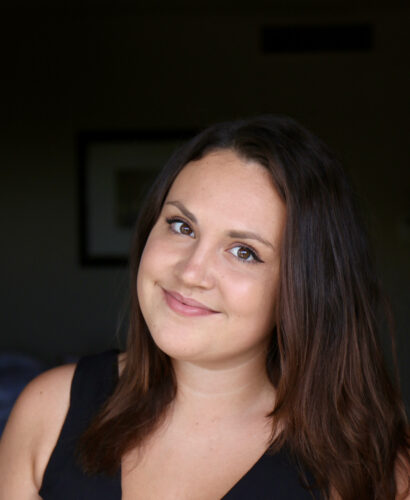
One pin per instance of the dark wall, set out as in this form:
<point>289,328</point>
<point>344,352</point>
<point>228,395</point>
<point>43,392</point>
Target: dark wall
<point>68,70</point>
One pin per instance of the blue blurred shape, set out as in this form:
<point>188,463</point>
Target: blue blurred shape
<point>16,371</point>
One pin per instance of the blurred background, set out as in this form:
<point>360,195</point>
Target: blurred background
<point>105,67</point>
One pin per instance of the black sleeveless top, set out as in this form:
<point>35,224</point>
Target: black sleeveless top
<point>273,477</point>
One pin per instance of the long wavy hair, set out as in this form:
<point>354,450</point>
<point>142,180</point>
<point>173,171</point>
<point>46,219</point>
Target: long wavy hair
<point>341,413</point>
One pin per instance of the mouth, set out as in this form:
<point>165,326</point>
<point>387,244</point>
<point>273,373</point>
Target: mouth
<point>186,306</point>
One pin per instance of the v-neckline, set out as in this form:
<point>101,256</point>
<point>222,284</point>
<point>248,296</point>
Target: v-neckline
<point>280,458</point>
<point>243,478</point>
<point>235,486</point>
<point>232,490</point>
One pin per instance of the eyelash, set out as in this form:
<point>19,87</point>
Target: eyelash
<point>173,220</point>
<point>255,257</point>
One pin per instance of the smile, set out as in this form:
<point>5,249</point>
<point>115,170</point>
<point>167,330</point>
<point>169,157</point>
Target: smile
<point>185,306</point>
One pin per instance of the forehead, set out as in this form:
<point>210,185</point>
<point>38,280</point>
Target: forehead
<point>223,181</point>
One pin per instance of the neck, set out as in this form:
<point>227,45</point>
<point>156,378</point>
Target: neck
<point>220,392</point>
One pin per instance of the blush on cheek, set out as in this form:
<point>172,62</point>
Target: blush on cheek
<point>244,292</point>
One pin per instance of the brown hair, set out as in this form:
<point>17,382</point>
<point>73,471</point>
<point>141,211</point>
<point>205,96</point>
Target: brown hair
<point>342,416</point>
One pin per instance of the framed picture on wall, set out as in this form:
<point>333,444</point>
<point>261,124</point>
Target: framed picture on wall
<point>115,171</point>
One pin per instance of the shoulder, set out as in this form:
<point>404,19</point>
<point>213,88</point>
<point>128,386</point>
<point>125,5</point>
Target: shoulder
<point>403,478</point>
<point>32,431</point>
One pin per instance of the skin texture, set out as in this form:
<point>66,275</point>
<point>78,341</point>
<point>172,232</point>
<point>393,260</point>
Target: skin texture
<point>32,432</point>
<point>207,260</point>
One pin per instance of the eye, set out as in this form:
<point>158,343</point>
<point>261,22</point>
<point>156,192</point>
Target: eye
<point>245,254</point>
<point>180,227</point>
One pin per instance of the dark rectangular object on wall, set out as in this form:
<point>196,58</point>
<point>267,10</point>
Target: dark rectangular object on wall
<point>115,171</point>
<point>319,38</point>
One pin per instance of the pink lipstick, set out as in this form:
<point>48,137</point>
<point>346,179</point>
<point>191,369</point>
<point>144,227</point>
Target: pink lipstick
<point>185,306</point>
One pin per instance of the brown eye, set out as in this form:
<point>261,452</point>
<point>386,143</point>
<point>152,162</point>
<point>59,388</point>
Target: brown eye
<point>244,253</point>
<point>180,227</point>
<point>185,229</point>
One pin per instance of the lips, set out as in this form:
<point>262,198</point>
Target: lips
<point>185,306</point>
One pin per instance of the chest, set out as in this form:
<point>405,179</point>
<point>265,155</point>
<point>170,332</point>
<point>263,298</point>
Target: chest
<point>201,466</point>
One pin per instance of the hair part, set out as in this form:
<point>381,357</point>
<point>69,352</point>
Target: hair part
<point>342,416</point>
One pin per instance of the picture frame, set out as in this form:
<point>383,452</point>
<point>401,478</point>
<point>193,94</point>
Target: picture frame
<point>115,170</point>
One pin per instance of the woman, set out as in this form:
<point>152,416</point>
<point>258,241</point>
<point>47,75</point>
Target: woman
<point>253,368</point>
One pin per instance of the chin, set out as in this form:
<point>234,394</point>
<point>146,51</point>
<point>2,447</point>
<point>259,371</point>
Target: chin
<point>177,346</point>
<point>179,353</point>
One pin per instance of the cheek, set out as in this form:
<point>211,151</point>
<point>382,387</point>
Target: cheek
<point>251,296</point>
<point>151,256</point>
<point>145,269</point>
<point>156,261</point>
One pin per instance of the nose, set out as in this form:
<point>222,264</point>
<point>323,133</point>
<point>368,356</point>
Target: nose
<point>195,269</point>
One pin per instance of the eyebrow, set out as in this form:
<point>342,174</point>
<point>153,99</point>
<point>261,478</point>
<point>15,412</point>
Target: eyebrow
<point>183,209</point>
<point>247,235</point>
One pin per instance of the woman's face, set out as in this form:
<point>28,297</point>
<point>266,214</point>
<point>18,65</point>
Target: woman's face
<point>208,275</point>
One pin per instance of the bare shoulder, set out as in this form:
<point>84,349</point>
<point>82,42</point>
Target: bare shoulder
<point>403,478</point>
<point>32,432</point>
